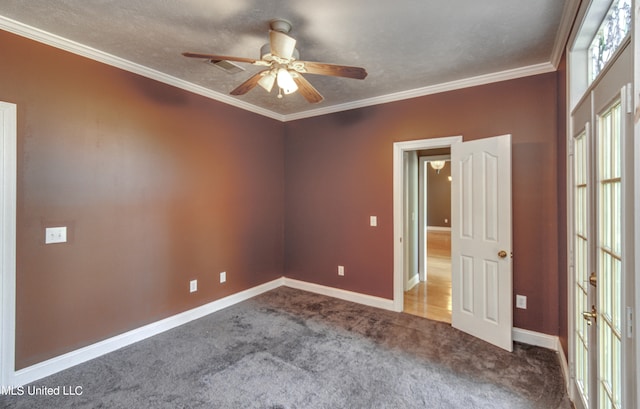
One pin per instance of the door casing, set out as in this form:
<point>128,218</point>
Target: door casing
<point>399,149</point>
<point>8,175</point>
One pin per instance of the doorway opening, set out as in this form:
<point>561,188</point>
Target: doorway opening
<point>428,293</point>
<point>481,233</point>
<point>407,243</point>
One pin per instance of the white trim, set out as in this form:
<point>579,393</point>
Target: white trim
<point>62,43</point>
<point>500,76</point>
<point>68,360</point>
<point>413,281</point>
<point>564,30</point>
<point>636,201</point>
<point>549,342</point>
<point>535,338</point>
<point>564,366</point>
<point>351,296</point>
<point>438,228</point>
<point>62,362</point>
<point>8,169</point>
<point>398,210</point>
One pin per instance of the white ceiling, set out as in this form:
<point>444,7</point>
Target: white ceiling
<point>408,47</point>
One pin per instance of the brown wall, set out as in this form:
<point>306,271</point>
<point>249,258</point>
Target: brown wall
<point>339,172</point>
<point>439,196</point>
<point>157,186</point>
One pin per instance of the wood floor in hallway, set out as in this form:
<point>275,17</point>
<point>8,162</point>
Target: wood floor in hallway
<point>432,299</point>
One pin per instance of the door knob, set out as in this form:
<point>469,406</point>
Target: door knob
<point>593,279</point>
<point>502,254</point>
<point>590,315</point>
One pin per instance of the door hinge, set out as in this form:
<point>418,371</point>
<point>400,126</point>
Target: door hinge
<point>628,94</point>
<point>629,322</point>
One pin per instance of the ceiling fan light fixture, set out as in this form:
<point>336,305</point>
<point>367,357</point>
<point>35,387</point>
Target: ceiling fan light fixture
<point>267,81</point>
<point>279,59</point>
<point>286,82</point>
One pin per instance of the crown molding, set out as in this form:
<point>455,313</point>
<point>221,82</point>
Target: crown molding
<point>569,14</point>
<point>62,43</point>
<point>71,46</point>
<point>429,90</point>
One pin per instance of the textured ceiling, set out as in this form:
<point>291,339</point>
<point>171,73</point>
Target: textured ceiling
<point>404,44</point>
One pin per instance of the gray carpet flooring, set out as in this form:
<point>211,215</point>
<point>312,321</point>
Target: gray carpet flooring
<point>292,349</point>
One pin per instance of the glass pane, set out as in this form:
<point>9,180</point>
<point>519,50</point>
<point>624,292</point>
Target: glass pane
<point>609,237</point>
<point>581,254</point>
<point>612,31</point>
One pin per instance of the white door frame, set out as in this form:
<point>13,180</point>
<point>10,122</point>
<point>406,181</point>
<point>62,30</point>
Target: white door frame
<point>399,148</point>
<point>636,163</point>
<point>8,175</point>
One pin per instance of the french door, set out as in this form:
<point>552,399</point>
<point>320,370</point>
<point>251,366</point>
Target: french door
<point>602,279</point>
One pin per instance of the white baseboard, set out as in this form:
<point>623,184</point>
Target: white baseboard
<point>413,281</point>
<point>364,299</point>
<point>564,366</point>
<point>546,341</point>
<point>535,338</point>
<point>438,228</point>
<point>62,362</point>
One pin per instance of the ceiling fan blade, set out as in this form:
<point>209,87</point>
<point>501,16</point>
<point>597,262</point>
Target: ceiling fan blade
<point>219,57</point>
<point>320,68</point>
<point>281,44</point>
<point>307,90</point>
<point>249,84</point>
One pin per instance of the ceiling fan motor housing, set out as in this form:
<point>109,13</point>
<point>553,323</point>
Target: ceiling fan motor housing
<point>280,24</point>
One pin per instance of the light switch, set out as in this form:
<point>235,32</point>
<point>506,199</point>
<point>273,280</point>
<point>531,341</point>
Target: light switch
<point>373,221</point>
<point>55,235</point>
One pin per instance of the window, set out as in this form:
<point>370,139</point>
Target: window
<point>613,30</point>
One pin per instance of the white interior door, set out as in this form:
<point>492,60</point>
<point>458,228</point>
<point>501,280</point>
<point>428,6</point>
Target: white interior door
<point>481,239</point>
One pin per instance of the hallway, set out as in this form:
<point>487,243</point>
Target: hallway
<point>432,299</point>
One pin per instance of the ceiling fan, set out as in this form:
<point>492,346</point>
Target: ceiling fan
<point>282,67</point>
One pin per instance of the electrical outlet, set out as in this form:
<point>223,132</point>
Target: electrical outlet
<point>521,301</point>
<point>223,276</point>
<point>340,270</point>
<point>193,286</point>
<point>55,235</point>
<point>373,221</point>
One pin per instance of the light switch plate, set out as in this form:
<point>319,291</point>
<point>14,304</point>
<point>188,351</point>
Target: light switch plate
<point>55,235</point>
<point>521,302</point>
<point>193,286</point>
<point>373,221</point>
<point>223,276</point>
